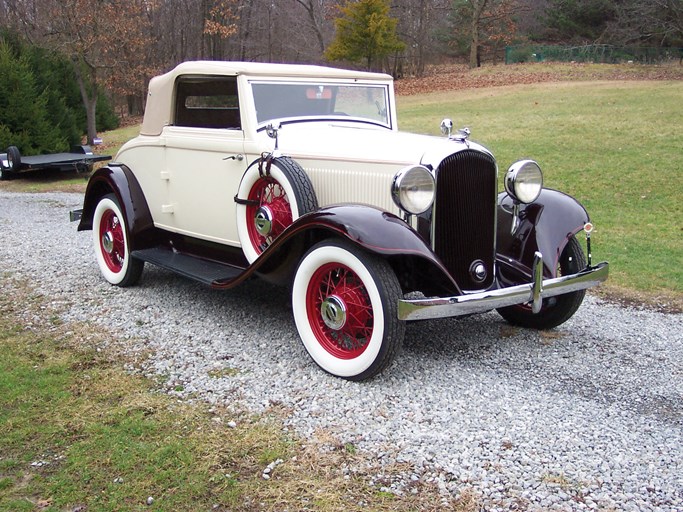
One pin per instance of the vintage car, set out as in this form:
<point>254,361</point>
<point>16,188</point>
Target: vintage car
<point>299,175</point>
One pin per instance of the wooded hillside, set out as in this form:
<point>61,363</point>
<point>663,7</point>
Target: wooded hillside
<point>117,45</point>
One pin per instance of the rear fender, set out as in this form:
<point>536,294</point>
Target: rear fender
<point>119,180</point>
<point>545,225</point>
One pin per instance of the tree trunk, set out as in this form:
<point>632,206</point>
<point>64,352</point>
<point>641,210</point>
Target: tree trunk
<point>310,9</point>
<point>474,49</point>
<point>245,27</point>
<point>89,96</point>
<point>478,7</point>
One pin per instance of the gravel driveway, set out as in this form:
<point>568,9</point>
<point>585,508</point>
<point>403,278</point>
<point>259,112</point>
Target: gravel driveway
<point>586,417</point>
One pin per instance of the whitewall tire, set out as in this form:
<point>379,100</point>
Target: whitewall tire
<point>271,197</point>
<point>111,241</point>
<point>345,305</point>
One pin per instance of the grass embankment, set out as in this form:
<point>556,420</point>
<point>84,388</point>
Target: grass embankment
<point>615,146</point>
<point>79,433</point>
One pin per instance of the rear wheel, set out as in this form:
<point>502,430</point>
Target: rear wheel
<point>112,244</point>
<point>554,310</point>
<point>345,305</point>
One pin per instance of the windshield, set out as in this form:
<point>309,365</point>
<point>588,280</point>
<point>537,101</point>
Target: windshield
<point>285,100</point>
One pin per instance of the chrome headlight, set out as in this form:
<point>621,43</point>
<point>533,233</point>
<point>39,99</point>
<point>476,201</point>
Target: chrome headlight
<point>413,189</point>
<point>524,181</point>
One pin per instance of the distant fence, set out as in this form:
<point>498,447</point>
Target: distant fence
<point>600,53</point>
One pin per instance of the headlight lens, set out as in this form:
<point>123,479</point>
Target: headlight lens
<point>524,181</point>
<point>413,189</point>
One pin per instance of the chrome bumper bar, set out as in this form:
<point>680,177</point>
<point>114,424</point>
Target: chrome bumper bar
<point>529,293</point>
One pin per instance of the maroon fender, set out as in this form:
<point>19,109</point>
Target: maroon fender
<point>545,225</point>
<point>374,230</point>
<point>119,180</point>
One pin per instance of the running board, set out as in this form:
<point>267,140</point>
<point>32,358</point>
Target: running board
<point>205,271</point>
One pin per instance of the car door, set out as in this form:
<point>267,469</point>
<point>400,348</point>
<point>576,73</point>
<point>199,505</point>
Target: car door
<point>204,159</point>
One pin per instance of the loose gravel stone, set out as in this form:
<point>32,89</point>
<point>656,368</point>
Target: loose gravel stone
<point>588,416</point>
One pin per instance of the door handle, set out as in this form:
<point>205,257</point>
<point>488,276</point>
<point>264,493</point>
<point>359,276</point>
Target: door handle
<point>239,157</point>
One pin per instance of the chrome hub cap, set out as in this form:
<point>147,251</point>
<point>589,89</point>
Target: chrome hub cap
<point>333,311</point>
<point>108,242</point>
<point>263,220</point>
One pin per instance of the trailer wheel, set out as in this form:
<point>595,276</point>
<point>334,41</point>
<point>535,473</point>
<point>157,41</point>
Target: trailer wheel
<point>13,159</point>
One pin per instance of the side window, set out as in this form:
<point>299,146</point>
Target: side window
<point>207,102</point>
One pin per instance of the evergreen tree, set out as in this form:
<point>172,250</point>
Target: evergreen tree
<point>365,31</point>
<point>50,78</point>
<point>24,121</point>
<point>579,21</point>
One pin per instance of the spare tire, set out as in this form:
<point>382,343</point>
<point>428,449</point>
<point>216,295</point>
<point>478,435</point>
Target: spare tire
<point>271,196</point>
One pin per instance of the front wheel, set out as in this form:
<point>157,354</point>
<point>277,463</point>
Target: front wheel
<point>345,304</point>
<point>554,310</point>
<point>112,244</point>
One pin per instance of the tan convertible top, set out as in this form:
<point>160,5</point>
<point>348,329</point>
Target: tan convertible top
<point>159,109</point>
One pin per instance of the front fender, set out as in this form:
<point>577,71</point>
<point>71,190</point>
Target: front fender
<point>545,225</point>
<point>374,230</point>
<point>119,180</point>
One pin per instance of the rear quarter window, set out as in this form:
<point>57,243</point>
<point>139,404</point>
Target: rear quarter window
<point>207,102</point>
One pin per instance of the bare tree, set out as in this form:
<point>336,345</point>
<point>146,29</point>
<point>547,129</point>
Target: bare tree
<point>419,26</point>
<point>316,12</point>
<point>654,22</point>
<point>479,23</point>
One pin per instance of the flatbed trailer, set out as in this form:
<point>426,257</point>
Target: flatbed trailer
<point>80,159</point>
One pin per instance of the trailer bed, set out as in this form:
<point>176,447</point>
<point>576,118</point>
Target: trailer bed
<point>81,159</point>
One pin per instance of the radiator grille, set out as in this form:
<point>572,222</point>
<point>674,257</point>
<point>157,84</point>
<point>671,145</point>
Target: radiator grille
<point>464,216</point>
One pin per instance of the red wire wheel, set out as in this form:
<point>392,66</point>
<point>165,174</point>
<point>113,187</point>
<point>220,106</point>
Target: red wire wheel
<point>345,306</point>
<point>111,241</point>
<point>339,311</point>
<point>270,210</point>
<point>273,193</point>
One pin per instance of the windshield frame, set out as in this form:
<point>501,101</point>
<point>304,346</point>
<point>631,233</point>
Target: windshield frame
<point>328,84</point>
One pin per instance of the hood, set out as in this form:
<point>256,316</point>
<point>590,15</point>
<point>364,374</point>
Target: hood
<point>364,143</point>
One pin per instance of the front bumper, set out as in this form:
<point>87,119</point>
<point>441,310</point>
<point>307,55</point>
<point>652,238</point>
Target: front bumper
<point>529,293</point>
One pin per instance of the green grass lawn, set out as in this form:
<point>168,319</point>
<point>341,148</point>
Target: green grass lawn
<point>615,146</point>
